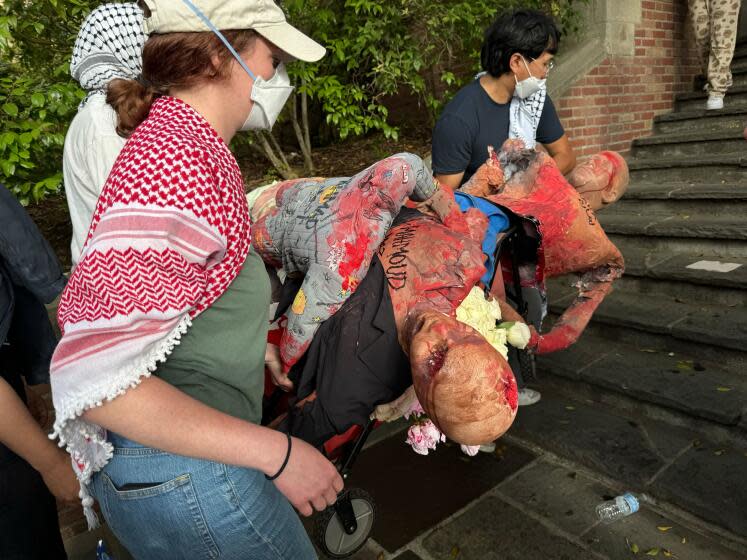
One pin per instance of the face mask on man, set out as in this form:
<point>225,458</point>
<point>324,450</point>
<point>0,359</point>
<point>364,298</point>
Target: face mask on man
<point>269,96</point>
<point>530,85</point>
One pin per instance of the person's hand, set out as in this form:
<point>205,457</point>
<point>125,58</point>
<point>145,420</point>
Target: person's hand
<point>275,366</point>
<point>61,480</point>
<point>37,407</point>
<point>388,412</point>
<point>309,481</point>
<point>534,339</point>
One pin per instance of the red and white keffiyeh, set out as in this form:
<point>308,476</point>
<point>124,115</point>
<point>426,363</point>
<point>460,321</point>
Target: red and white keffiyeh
<point>170,233</point>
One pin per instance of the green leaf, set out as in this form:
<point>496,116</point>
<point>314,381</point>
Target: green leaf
<point>37,99</point>
<point>652,552</point>
<point>8,168</point>
<point>11,109</point>
<point>723,389</point>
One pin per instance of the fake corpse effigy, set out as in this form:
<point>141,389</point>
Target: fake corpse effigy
<point>569,238</point>
<point>399,328</point>
<point>324,232</point>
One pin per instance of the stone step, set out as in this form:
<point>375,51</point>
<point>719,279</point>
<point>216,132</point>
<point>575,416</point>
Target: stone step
<point>684,384</point>
<point>693,143</point>
<point>720,327</point>
<point>739,73</point>
<point>695,101</point>
<point>675,465</point>
<point>686,207</point>
<point>691,277</point>
<point>739,65</point>
<point>727,227</point>
<point>708,248</point>
<point>680,191</point>
<point>703,169</point>
<point>683,122</point>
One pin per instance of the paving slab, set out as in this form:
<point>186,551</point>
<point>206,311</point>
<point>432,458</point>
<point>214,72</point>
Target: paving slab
<point>368,552</point>
<point>407,555</point>
<point>563,496</point>
<point>629,450</point>
<point>711,483</point>
<point>697,388</point>
<point>414,492</point>
<point>642,531</point>
<point>494,530</point>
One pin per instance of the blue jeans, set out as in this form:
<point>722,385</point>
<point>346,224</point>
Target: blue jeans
<point>163,506</point>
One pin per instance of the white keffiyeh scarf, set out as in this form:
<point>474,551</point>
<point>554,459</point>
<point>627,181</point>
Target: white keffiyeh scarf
<point>109,45</point>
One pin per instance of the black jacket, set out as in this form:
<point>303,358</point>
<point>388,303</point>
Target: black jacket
<point>354,363</point>
<point>30,276</point>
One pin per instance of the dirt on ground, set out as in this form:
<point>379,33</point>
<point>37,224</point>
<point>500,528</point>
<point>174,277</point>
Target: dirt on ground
<point>338,160</point>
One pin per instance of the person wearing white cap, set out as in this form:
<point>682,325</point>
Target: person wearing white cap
<point>157,381</point>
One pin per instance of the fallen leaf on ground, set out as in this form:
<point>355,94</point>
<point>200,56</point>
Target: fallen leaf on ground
<point>723,389</point>
<point>649,350</point>
<point>684,540</point>
<point>652,552</point>
<point>570,407</point>
<point>685,365</point>
<point>455,552</point>
<point>718,452</point>
<point>668,553</point>
<point>663,529</point>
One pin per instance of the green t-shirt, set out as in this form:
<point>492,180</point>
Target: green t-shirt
<point>220,361</point>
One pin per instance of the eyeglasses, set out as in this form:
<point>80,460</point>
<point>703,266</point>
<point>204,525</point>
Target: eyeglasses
<point>548,66</point>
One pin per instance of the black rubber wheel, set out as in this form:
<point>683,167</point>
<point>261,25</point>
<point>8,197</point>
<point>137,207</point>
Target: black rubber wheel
<point>329,534</point>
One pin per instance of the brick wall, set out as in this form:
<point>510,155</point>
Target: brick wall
<point>616,101</point>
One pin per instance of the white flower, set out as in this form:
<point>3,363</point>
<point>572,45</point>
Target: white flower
<point>482,315</point>
<point>518,335</point>
<point>470,450</point>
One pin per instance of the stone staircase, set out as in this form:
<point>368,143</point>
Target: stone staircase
<point>666,352</point>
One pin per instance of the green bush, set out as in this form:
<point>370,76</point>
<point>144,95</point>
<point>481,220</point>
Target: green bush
<point>377,48</point>
<point>38,98</point>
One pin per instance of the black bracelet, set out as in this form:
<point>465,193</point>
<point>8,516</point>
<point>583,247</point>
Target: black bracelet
<point>285,462</point>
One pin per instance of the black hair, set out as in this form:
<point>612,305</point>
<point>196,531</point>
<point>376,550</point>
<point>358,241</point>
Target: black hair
<point>527,32</point>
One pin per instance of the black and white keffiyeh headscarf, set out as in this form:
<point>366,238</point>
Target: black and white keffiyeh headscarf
<point>109,45</point>
<point>524,116</point>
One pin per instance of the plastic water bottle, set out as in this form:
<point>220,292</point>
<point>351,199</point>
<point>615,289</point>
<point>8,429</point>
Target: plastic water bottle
<point>620,507</point>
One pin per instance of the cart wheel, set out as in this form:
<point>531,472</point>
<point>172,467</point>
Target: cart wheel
<point>331,537</point>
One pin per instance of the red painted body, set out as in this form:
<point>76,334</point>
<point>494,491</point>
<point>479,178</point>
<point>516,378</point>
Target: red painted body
<point>571,238</point>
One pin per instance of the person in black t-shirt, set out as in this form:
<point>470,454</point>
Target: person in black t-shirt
<point>508,100</point>
<point>516,57</point>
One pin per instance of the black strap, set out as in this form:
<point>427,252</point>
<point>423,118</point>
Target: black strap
<point>285,462</point>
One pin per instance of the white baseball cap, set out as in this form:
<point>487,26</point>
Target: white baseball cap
<point>264,16</point>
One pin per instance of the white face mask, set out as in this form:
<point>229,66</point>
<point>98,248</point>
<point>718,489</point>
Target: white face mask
<point>529,86</point>
<point>269,96</point>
